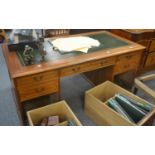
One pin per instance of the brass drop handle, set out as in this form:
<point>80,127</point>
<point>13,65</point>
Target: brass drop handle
<point>126,66</point>
<point>129,56</point>
<point>76,69</point>
<point>38,78</point>
<point>39,90</point>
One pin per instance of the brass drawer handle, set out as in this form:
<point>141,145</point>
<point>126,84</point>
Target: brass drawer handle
<point>125,57</point>
<point>103,62</point>
<point>39,90</point>
<point>76,69</point>
<point>129,56</point>
<point>126,66</point>
<point>38,78</point>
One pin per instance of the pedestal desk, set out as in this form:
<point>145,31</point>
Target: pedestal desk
<point>115,56</point>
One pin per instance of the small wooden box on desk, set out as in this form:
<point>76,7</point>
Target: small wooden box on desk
<point>97,109</point>
<point>60,108</point>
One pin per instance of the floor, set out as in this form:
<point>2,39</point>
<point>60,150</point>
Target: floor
<point>72,90</point>
<point>8,114</point>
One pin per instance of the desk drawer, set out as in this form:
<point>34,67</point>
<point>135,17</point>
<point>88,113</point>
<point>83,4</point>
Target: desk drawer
<point>150,61</point>
<point>36,79</point>
<point>127,62</point>
<point>152,46</point>
<point>37,90</point>
<point>85,67</point>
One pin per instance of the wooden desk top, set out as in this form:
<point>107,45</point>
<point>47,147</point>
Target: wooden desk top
<point>138,31</point>
<point>56,61</point>
<point>135,35</point>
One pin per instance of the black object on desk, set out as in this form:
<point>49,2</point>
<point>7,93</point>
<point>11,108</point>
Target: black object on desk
<point>20,46</point>
<point>22,37</point>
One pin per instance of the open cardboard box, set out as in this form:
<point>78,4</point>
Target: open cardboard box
<point>97,109</point>
<point>60,108</point>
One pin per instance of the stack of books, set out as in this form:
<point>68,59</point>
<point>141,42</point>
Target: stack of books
<point>128,108</point>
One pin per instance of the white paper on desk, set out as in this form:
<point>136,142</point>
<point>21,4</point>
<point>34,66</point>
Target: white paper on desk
<point>75,44</point>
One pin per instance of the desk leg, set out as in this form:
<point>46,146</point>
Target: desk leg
<point>21,114</point>
<point>19,107</point>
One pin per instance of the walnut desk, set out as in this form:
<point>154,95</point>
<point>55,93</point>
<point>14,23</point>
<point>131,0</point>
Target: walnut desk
<point>116,53</point>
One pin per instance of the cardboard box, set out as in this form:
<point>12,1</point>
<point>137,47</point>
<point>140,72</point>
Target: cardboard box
<point>97,109</point>
<point>60,108</point>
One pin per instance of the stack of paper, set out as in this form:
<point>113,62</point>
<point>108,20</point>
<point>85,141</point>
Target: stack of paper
<point>75,44</point>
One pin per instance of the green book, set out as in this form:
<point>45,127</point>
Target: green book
<point>115,106</point>
<point>144,107</point>
<point>134,112</point>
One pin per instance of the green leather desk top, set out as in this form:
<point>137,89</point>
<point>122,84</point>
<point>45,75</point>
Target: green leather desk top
<point>106,42</point>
